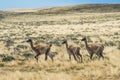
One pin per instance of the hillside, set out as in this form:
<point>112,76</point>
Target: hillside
<point>88,8</point>
<point>84,8</point>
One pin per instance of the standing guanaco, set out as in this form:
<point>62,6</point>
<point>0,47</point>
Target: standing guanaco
<point>41,49</point>
<point>94,48</point>
<point>72,50</point>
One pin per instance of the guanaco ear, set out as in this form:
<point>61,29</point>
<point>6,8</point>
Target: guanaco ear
<point>29,40</point>
<point>64,41</point>
<point>50,44</point>
<point>84,38</point>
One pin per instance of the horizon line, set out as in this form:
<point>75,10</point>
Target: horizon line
<point>54,6</point>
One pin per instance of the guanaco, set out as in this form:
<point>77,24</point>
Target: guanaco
<point>94,48</point>
<point>72,50</point>
<point>41,49</point>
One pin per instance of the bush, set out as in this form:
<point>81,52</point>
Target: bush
<point>57,42</point>
<point>22,46</point>
<point>8,58</point>
<point>2,55</point>
<point>110,43</point>
<point>27,55</point>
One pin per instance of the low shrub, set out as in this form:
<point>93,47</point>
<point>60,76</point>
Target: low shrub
<point>110,43</point>
<point>8,58</point>
<point>27,55</point>
<point>2,55</point>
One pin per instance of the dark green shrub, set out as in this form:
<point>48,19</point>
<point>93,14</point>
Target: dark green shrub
<point>27,55</point>
<point>8,58</point>
<point>57,42</point>
<point>2,55</point>
<point>22,46</point>
<point>110,43</point>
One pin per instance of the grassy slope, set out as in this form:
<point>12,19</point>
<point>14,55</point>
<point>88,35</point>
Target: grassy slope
<point>52,25</point>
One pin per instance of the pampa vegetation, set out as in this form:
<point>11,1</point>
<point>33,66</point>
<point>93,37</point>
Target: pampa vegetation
<point>99,23</point>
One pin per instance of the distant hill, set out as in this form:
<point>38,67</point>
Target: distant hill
<point>87,8</point>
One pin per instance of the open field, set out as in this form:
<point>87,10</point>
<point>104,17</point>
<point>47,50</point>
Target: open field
<point>99,27</point>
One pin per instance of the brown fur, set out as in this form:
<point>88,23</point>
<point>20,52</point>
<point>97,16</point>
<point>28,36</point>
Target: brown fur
<point>94,48</point>
<point>41,49</point>
<point>73,50</point>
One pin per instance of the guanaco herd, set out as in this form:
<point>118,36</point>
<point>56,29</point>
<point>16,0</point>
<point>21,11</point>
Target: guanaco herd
<point>71,50</point>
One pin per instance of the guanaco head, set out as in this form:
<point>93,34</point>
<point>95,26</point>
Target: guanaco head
<point>29,40</point>
<point>64,41</point>
<point>50,44</point>
<point>83,39</point>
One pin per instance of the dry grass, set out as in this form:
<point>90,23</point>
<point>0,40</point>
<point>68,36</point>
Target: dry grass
<point>104,27</point>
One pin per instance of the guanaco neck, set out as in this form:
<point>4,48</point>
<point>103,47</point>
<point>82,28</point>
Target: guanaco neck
<point>31,44</point>
<point>87,47</point>
<point>86,44</point>
<point>66,45</point>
